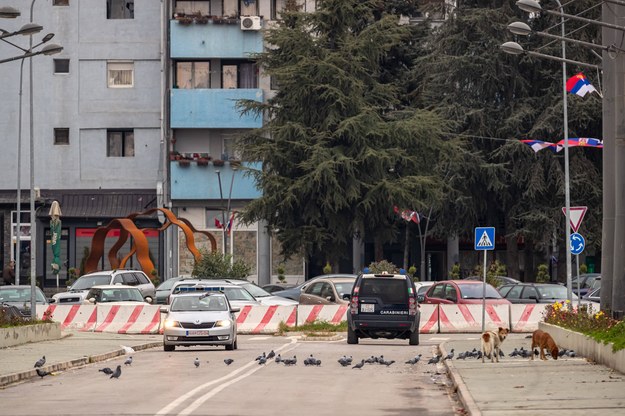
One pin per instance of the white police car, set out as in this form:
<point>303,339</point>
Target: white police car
<point>200,318</point>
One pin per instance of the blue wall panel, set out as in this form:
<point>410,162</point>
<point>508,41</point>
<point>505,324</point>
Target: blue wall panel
<point>213,41</point>
<point>202,182</point>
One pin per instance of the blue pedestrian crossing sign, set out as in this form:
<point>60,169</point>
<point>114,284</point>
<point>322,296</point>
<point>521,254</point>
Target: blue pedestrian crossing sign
<point>484,238</point>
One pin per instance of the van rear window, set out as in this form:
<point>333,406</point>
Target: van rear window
<point>387,290</point>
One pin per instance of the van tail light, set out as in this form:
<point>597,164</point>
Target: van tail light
<point>354,305</point>
<point>412,306</point>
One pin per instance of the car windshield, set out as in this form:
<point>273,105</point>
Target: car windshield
<point>256,291</point>
<point>116,295</point>
<point>553,292</point>
<point>11,294</point>
<point>238,293</point>
<point>474,291</point>
<point>167,284</point>
<point>87,282</point>
<point>199,303</point>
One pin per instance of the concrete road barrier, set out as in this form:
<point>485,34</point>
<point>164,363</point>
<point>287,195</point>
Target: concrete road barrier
<point>468,318</point>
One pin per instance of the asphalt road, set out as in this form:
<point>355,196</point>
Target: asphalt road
<point>168,383</point>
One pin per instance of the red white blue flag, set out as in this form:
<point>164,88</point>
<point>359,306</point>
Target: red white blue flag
<point>538,145</point>
<point>408,215</point>
<point>578,84</point>
<point>582,142</point>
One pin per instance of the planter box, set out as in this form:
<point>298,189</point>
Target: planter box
<point>29,333</point>
<point>586,347</point>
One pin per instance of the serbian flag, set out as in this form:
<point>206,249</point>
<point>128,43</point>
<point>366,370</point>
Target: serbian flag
<point>578,84</point>
<point>218,223</point>
<point>538,145</point>
<point>230,221</point>
<point>408,215</point>
<point>582,142</point>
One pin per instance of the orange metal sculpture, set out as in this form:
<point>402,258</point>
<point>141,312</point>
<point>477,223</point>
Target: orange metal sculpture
<point>127,227</point>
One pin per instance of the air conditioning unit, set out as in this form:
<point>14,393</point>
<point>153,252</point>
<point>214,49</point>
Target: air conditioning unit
<point>250,22</point>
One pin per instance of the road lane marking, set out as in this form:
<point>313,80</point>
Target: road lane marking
<point>258,338</point>
<point>168,409</point>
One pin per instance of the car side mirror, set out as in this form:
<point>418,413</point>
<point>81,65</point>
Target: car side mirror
<point>235,310</point>
<point>51,300</point>
<point>330,298</point>
<point>164,309</point>
<point>346,296</point>
<point>420,298</point>
<point>91,300</point>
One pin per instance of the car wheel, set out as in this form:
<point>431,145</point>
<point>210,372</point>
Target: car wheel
<point>352,338</point>
<point>414,338</point>
<point>169,347</point>
<point>235,346</point>
<point>230,347</point>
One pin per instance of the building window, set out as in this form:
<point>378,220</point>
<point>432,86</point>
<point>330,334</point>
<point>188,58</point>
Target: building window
<point>120,74</point>
<point>61,136</point>
<point>214,219</point>
<point>191,7</point>
<point>276,7</point>
<point>60,2</point>
<point>120,143</point>
<point>228,150</point>
<point>239,75</point>
<point>61,66</point>
<point>120,9</point>
<point>248,8</point>
<point>190,75</point>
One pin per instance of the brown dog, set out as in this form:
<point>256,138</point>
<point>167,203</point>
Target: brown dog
<point>491,341</point>
<point>543,340</point>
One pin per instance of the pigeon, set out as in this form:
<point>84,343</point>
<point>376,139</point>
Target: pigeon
<point>570,353</point>
<point>349,359</point>
<point>309,361</point>
<point>479,355</point>
<point>514,353</point>
<point>450,355</point>
<point>371,360</point>
<point>40,362</point>
<point>412,361</point>
<point>562,352</point>
<point>196,362</point>
<point>388,363</point>
<point>290,361</point>
<point>344,361</point>
<point>271,355</point>
<point>262,360</point>
<point>228,361</point>
<point>278,358</point>
<point>434,360</point>
<point>501,354</point>
<point>316,362</point>
<point>260,356</point>
<point>359,365</point>
<point>42,373</point>
<point>462,355</point>
<point>128,361</point>
<point>127,350</point>
<point>117,373</point>
<point>106,370</point>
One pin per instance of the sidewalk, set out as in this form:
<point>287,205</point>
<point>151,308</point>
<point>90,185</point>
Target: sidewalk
<point>518,386</point>
<point>74,349</point>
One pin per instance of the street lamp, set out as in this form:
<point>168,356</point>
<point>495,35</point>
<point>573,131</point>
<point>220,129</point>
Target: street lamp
<point>224,225</point>
<point>8,12</point>
<point>532,6</point>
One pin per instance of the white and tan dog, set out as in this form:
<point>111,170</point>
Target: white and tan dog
<point>491,342</point>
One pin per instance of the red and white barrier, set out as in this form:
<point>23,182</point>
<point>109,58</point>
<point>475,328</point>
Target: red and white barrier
<point>264,319</point>
<point>333,314</point>
<point>79,317</point>
<point>468,318</point>
<point>428,324</point>
<point>525,318</point>
<point>127,319</point>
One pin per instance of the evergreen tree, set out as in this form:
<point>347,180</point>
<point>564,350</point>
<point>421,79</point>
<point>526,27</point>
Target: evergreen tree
<point>339,147</point>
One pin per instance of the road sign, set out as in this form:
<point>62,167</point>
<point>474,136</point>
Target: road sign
<point>484,238</point>
<point>577,243</point>
<point>577,215</point>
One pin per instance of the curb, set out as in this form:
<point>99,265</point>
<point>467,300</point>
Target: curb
<point>461,388</point>
<point>13,378</point>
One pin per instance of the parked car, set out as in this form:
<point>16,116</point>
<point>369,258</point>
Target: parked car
<point>383,306</point>
<point>164,289</point>
<point>327,291</point>
<point>276,287</point>
<point>200,318</point>
<point>585,283</point>
<point>535,293</point>
<point>261,295</point>
<point>503,280</point>
<point>19,297</point>
<point>237,295</point>
<point>594,296</point>
<point>295,292</point>
<point>462,292</point>
<point>422,287</point>
<point>118,294</point>
<point>76,292</point>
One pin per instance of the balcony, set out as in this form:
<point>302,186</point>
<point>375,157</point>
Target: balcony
<point>213,41</point>
<point>195,182</point>
<point>212,108</point>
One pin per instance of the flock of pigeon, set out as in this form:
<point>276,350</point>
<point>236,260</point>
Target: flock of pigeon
<point>118,370</point>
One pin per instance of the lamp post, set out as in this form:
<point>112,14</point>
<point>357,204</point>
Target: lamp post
<point>530,6</point>
<point>224,225</point>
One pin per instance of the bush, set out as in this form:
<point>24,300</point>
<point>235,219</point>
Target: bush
<point>596,325</point>
<point>455,271</point>
<point>327,269</point>
<point>542,274</point>
<point>219,266</point>
<point>383,266</point>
